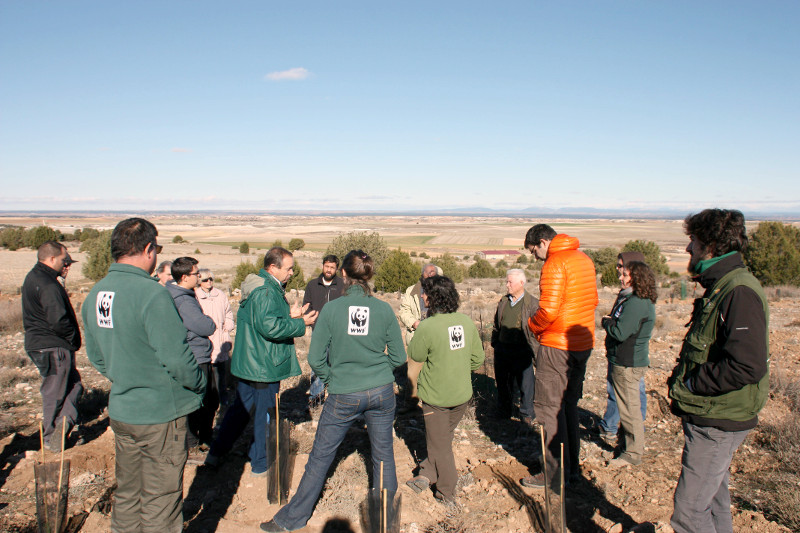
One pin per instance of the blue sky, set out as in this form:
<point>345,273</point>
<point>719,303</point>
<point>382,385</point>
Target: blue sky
<point>405,105</point>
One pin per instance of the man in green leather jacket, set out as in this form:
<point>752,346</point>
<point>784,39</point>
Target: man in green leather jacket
<point>263,355</point>
<point>721,381</point>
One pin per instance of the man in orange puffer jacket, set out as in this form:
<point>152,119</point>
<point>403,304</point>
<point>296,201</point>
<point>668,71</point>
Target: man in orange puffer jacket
<point>564,325</point>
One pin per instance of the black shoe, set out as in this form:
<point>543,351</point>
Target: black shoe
<point>271,527</point>
<point>538,482</point>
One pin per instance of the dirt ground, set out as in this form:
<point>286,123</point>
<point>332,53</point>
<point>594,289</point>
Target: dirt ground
<point>491,454</point>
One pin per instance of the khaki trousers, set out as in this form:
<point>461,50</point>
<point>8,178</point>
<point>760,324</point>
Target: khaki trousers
<point>625,381</point>
<point>149,467</point>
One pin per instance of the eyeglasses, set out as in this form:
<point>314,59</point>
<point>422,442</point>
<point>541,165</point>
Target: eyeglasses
<point>195,273</point>
<point>158,247</point>
<point>207,279</point>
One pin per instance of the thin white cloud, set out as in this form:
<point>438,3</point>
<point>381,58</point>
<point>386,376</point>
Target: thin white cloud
<point>181,150</point>
<point>293,74</point>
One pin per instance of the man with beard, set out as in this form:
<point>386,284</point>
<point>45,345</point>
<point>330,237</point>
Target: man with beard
<point>721,381</point>
<point>319,291</point>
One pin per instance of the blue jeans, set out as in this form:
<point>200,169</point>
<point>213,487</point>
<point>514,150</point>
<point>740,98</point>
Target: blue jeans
<point>377,406</point>
<point>702,500</point>
<point>610,421</point>
<point>255,398</point>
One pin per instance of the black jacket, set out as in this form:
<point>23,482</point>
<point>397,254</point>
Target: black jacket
<point>318,294</point>
<point>47,314</point>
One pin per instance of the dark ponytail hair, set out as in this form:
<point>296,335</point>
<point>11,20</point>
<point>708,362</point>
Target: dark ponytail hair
<point>359,269</point>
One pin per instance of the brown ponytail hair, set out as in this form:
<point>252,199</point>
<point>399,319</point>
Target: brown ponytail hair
<point>359,268</point>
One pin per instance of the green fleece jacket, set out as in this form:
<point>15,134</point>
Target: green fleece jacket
<point>135,338</point>
<point>365,343</point>
<point>628,331</point>
<point>450,348</point>
<point>264,349</point>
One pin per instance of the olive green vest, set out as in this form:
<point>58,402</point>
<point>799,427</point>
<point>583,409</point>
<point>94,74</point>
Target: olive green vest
<point>700,346</point>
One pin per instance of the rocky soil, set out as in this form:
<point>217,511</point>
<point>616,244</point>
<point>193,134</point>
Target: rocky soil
<point>491,455</point>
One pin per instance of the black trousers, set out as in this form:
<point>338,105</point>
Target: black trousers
<point>201,422</point>
<point>61,388</point>
<point>513,367</point>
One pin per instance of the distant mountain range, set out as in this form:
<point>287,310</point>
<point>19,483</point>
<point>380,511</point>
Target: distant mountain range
<point>530,212</point>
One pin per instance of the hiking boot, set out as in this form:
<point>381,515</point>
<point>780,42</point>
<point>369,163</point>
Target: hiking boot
<point>419,484</point>
<point>623,460</point>
<point>538,482</point>
<point>271,527</point>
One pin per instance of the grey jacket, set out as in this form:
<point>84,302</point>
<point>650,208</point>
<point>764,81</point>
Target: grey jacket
<point>198,325</point>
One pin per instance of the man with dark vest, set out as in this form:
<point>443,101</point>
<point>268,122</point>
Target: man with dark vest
<point>514,347</point>
<point>721,381</point>
<point>52,337</point>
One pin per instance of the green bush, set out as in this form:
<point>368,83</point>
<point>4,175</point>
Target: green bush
<point>86,234</point>
<point>501,264</point>
<point>197,251</point>
<point>451,268</point>
<point>774,254</point>
<point>424,255</point>
<point>12,238</point>
<point>522,259</point>
<point>608,276</point>
<point>39,235</point>
<point>603,257</point>
<point>413,254</point>
<point>244,248</point>
<point>297,281</point>
<point>371,243</point>
<point>277,243</point>
<point>652,255</point>
<point>396,273</point>
<point>99,256</point>
<point>296,244</point>
<point>242,270</point>
<point>482,269</point>
<point>177,239</point>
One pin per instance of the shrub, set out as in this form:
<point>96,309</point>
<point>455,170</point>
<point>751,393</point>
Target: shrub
<point>277,243</point>
<point>602,258</point>
<point>296,244</point>
<point>522,259</point>
<point>424,255</point>
<point>12,238</point>
<point>87,233</point>
<point>244,248</point>
<point>652,255</point>
<point>413,254</point>
<point>297,281</point>
<point>608,276</point>
<point>197,251</point>
<point>177,239</point>
<point>242,270</point>
<point>396,273</point>
<point>372,243</point>
<point>482,269</point>
<point>465,258</point>
<point>99,250</point>
<point>774,254</point>
<point>451,268</point>
<point>39,235</point>
<point>501,264</point>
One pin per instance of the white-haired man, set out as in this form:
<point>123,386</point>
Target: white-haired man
<point>514,347</point>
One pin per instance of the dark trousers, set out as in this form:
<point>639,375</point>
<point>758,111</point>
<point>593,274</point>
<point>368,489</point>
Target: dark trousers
<point>559,386</point>
<point>149,462</point>
<point>61,388</point>
<point>201,422</point>
<point>440,465</point>
<point>513,366</point>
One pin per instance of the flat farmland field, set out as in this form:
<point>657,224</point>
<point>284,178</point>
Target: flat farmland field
<point>217,238</point>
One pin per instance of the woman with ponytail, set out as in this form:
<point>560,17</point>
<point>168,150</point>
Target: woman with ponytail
<point>365,346</point>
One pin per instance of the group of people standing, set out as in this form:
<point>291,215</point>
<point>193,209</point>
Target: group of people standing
<point>166,354</point>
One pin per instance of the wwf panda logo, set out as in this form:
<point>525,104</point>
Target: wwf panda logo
<point>358,322</point>
<point>104,308</point>
<point>456,337</point>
